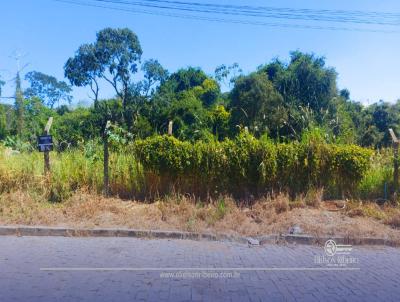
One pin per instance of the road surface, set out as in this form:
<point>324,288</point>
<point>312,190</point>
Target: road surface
<point>128,269</point>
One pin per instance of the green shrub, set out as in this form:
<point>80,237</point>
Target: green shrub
<point>247,166</point>
<point>349,165</point>
<point>244,167</point>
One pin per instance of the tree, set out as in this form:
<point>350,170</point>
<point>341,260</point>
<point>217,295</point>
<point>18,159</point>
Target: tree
<point>85,69</point>
<point>305,84</point>
<point>222,72</point>
<point>154,74</point>
<point>185,79</point>
<point>188,115</point>
<point>345,94</point>
<point>74,127</point>
<point>36,115</point>
<point>209,92</point>
<point>119,52</point>
<point>114,57</point>
<point>385,116</point>
<point>219,117</point>
<point>47,88</point>
<point>305,81</point>
<point>256,103</point>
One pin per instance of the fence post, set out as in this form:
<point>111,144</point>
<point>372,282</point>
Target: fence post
<point>395,163</point>
<point>46,154</point>
<point>170,124</point>
<point>106,179</point>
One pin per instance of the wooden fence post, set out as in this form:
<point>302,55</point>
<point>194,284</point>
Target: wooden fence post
<point>46,154</point>
<point>170,124</point>
<point>395,163</point>
<point>106,178</point>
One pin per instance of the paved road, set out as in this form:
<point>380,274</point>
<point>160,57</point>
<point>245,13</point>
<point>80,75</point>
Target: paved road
<point>126,269</point>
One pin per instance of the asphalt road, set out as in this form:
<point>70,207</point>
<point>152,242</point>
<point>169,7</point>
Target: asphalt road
<point>127,269</point>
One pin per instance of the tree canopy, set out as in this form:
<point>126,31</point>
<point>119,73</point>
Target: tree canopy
<point>47,88</point>
<point>281,100</point>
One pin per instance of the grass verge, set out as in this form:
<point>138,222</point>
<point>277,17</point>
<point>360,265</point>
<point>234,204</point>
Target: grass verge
<point>267,216</point>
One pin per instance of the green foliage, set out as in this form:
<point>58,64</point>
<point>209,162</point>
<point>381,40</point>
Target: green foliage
<point>114,57</point>
<point>74,127</point>
<point>153,73</point>
<point>188,115</point>
<point>349,164</point>
<point>377,182</point>
<point>246,165</point>
<point>3,121</point>
<point>47,88</point>
<point>185,79</point>
<point>256,103</point>
<point>285,127</point>
<point>17,144</point>
<point>219,120</point>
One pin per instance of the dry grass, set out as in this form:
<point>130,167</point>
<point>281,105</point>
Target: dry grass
<point>394,219</point>
<point>281,203</point>
<point>266,216</point>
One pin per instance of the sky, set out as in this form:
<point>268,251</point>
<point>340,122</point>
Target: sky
<point>47,33</point>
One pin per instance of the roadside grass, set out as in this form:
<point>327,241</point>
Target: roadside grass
<point>82,167</point>
<point>394,219</point>
<point>70,171</point>
<point>72,196</point>
<point>223,216</point>
<point>379,177</point>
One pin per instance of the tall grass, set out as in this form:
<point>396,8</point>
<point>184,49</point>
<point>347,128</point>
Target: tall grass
<point>82,168</point>
<point>378,180</point>
<point>70,171</point>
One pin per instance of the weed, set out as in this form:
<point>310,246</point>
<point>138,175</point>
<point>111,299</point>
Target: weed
<point>281,203</point>
<point>314,197</point>
<point>394,219</point>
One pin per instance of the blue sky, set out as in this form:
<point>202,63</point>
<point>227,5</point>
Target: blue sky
<point>49,32</point>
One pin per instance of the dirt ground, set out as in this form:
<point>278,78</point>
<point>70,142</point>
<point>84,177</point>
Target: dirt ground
<point>267,216</point>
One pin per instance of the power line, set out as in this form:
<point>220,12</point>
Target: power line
<point>217,19</point>
<point>283,9</point>
<point>374,18</point>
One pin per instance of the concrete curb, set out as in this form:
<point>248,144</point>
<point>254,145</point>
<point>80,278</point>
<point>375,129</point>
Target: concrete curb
<point>311,240</point>
<point>112,232</point>
<point>150,234</point>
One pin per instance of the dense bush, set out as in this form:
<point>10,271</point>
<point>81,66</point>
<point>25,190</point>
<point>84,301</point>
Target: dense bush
<point>246,166</point>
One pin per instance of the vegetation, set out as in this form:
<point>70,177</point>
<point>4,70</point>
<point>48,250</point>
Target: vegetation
<point>285,127</point>
<point>246,168</point>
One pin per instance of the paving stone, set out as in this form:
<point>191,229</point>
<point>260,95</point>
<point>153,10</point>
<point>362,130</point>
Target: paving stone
<point>141,263</point>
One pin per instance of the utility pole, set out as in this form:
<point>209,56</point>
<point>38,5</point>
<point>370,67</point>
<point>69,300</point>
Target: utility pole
<point>19,96</point>
<point>19,105</point>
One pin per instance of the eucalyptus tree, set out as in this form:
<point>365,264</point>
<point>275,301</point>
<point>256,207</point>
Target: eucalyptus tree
<point>114,57</point>
<point>85,69</point>
<point>47,88</point>
<point>154,74</point>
